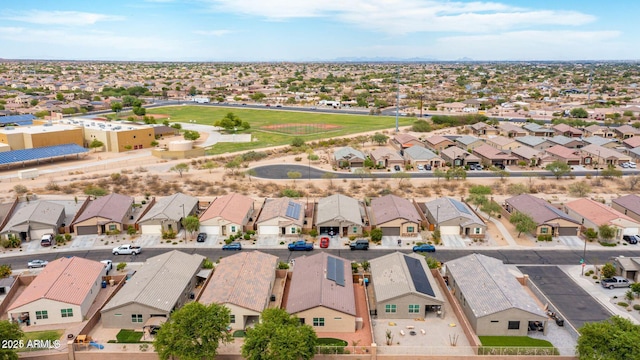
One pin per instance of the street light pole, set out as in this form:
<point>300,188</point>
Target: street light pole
<point>598,164</point>
<point>437,216</point>
<point>584,255</point>
<point>183,228</point>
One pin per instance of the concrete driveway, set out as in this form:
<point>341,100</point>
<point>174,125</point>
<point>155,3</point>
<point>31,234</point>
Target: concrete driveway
<point>572,241</point>
<point>453,241</point>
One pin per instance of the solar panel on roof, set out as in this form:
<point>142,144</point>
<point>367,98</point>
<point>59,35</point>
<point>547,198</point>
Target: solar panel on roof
<point>331,268</point>
<point>460,206</point>
<point>293,210</point>
<point>418,276</point>
<point>16,156</point>
<point>339,272</point>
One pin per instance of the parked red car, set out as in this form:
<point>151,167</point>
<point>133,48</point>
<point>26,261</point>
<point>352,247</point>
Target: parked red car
<point>324,242</point>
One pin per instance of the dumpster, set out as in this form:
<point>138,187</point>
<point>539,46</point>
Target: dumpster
<point>104,284</point>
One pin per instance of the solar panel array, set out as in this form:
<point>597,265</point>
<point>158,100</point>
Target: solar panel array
<point>335,270</point>
<point>460,206</point>
<point>293,210</point>
<point>418,276</point>
<point>17,119</point>
<point>16,156</point>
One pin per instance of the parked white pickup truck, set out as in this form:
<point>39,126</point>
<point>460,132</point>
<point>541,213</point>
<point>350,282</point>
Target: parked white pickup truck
<point>127,249</point>
<point>615,282</point>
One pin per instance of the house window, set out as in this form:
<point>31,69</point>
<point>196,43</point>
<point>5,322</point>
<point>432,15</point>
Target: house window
<point>514,325</point>
<point>318,321</point>
<point>389,308</point>
<point>477,231</point>
<point>410,229</point>
<point>355,229</point>
<point>544,230</point>
<point>40,315</point>
<point>112,227</point>
<point>414,309</point>
<point>233,319</point>
<point>293,230</point>
<point>136,318</point>
<point>66,313</point>
<point>233,228</point>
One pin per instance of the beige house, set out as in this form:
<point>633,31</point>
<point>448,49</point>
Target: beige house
<point>243,283</point>
<point>549,219</point>
<point>628,205</point>
<point>491,297</point>
<point>226,215</point>
<point>61,293</point>
<point>502,143</point>
<point>438,143</point>
<point>404,287</point>
<point>321,293</point>
<point>282,216</point>
<point>592,214</point>
<point>167,213</point>
<point>163,284</point>
<point>395,216</point>
<point>110,213</point>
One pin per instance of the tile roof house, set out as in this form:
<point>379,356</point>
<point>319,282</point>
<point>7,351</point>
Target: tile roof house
<point>551,220</point>
<point>458,157</point>
<point>438,143</point>
<point>567,130</point>
<point>592,214</point>
<point>112,212</point>
<point>565,155</point>
<point>483,129</point>
<point>532,156</point>
<point>385,157</point>
<point>490,156</point>
<point>568,142</point>
<point>404,287</point>
<point>491,297</point>
<point>422,156</point>
<point>538,130</point>
<point>227,215</point>
<point>628,267</point>
<point>340,214</point>
<point>598,130</point>
<point>167,213</point>
<point>243,283</point>
<point>628,205</point>
<point>163,284</point>
<point>626,131</point>
<point>30,221</point>
<point>395,216</point>
<point>282,216</point>
<point>604,142</point>
<point>502,143</point>
<point>403,141</point>
<point>634,153</point>
<point>321,293</point>
<point>536,142</point>
<point>632,142</point>
<point>62,293</point>
<point>510,130</point>
<point>602,155</point>
<point>469,142</point>
<point>349,156</point>
<point>453,217</point>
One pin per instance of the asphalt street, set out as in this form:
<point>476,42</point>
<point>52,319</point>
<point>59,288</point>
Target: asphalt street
<point>279,171</point>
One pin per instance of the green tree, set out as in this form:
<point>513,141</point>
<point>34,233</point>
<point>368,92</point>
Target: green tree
<point>229,122</point>
<point>210,165</point>
<point>379,138</point>
<point>9,331</point>
<point>96,144</point>
<point>421,126</point>
<point>116,107</point>
<point>376,234</point>
<point>180,168</point>
<point>491,208</point>
<point>478,200</point>
<point>480,190</point>
<point>606,232</point>
<point>194,332</point>
<point>234,164</point>
<point>368,163</point>
<point>193,91</point>
<point>439,174</point>
<point>5,270</point>
<point>608,270</point>
<point>60,96</point>
<point>258,96</point>
<point>297,142</point>
<point>279,336</point>
<point>611,339</point>
<point>191,223</point>
<point>139,110</point>
<point>610,172</point>
<point>558,169</point>
<point>33,102</point>
<point>523,222</point>
<point>191,135</point>
<point>250,173</point>
<point>400,175</point>
<point>579,113</point>
<point>579,189</point>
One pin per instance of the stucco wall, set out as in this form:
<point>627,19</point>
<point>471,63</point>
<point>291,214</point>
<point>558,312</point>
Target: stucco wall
<point>334,321</point>
<point>402,306</point>
<point>53,312</point>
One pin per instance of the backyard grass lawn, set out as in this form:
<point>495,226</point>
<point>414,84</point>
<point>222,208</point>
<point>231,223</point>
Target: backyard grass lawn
<point>522,341</point>
<point>331,342</point>
<point>50,335</point>
<point>129,336</point>
<point>259,119</point>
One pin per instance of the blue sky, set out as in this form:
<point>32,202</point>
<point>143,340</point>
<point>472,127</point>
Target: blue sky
<point>304,30</point>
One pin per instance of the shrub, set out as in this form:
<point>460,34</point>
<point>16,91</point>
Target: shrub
<point>67,237</point>
<point>121,266</point>
<point>247,236</point>
<point>283,265</point>
<point>292,193</point>
<point>376,235</point>
<point>545,238</point>
<point>623,304</point>
<point>313,232</point>
<point>636,307</point>
<point>207,264</point>
<point>168,235</point>
<point>229,240</point>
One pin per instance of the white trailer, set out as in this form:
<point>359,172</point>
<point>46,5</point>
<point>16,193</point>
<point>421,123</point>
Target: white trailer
<point>28,174</point>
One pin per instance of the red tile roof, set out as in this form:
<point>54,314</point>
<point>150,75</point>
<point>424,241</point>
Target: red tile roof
<point>596,212</point>
<point>232,207</point>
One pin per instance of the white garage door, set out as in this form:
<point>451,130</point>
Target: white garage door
<point>449,230</point>
<point>151,229</point>
<point>268,230</point>
<point>210,230</point>
<point>37,234</point>
<point>630,231</point>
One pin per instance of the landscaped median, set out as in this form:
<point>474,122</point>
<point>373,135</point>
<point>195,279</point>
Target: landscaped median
<point>515,345</point>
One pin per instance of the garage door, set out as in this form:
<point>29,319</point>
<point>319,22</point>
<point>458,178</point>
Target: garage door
<point>390,231</point>
<point>86,230</point>
<point>269,230</point>
<point>151,229</point>
<point>449,230</point>
<point>329,229</point>
<point>568,231</point>
<point>210,230</point>
<point>630,231</point>
<point>37,234</point>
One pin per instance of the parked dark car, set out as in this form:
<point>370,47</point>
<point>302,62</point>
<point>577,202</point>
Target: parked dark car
<point>424,248</point>
<point>201,237</point>
<point>232,246</point>
<point>427,167</point>
<point>631,239</point>
<point>360,244</point>
<point>396,167</point>
<point>300,245</point>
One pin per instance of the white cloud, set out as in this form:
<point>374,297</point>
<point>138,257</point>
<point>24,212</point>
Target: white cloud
<point>407,16</point>
<point>220,32</point>
<point>69,18</point>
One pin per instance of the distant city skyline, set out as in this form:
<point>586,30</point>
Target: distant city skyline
<point>320,30</point>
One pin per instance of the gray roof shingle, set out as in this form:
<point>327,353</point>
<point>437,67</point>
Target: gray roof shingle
<point>339,206</point>
<point>392,278</point>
